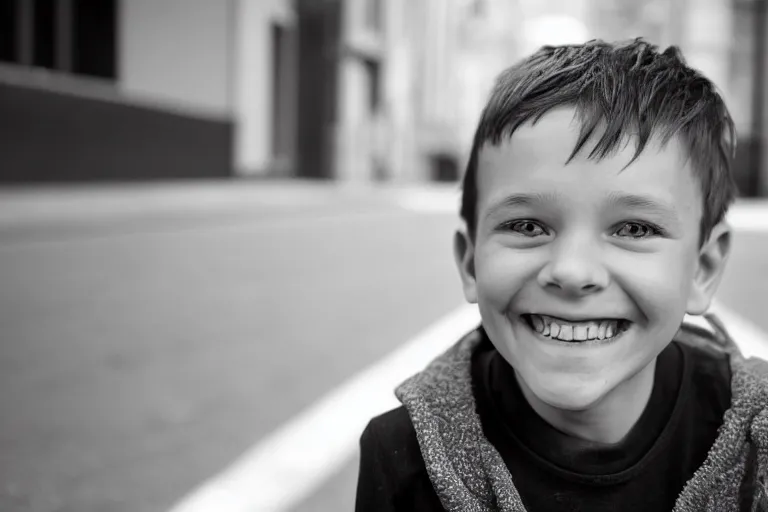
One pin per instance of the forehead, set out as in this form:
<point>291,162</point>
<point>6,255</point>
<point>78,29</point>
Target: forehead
<point>534,160</point>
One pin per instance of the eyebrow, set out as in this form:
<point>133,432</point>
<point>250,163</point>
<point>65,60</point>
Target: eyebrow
<point>629,201</point>
<point>646,203</point>
<point>523,200</point>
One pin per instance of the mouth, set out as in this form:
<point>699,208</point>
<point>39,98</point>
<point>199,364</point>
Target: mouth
<point>593,330</point>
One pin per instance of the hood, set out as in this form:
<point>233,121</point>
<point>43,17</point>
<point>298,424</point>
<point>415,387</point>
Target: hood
<point>469,475</point>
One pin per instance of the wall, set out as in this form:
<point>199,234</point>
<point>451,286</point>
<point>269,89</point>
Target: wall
<point>53,136</point>
<point>167,115</point>
<point>177,52</point>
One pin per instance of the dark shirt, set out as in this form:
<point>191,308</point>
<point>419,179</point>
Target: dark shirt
<point>552,471</point>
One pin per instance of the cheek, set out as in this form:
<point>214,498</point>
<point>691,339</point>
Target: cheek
<point>658,283</point>
<point>502,272</point>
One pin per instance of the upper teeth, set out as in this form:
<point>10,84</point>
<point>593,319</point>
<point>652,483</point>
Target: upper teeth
<point>579,331</point>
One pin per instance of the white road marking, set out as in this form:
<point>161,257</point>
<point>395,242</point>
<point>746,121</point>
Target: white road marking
<point>286,467</point>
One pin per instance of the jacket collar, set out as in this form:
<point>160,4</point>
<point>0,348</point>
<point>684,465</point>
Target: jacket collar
<point>469,475</point>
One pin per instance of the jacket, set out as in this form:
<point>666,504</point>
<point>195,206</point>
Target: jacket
<point>469,475</point>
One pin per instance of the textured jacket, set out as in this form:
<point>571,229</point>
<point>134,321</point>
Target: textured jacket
<point>469,475</point>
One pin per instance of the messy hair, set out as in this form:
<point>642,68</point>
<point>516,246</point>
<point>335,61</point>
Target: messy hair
<point>627,90</point>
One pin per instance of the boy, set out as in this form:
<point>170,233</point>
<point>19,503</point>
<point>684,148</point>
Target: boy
<point>594,203</point>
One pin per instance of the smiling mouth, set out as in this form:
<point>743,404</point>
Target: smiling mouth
<point>575,332</point>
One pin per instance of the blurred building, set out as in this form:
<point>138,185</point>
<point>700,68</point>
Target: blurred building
<point>142,89</point>
<point>353,90</point>
<point>725,39</point>
<point>356,90</point>
<point>747,71</point>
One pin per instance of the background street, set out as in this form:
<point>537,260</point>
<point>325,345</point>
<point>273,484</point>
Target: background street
<point>150,335</point>
<point>226,226</point>
<point>142,353</point>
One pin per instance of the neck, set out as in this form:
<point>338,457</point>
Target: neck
<point>609,420</point>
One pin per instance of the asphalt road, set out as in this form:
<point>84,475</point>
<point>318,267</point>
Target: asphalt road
<point>143,351</point>
<point>146,343</point>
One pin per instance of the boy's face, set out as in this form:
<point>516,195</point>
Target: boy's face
<point>565,255</point>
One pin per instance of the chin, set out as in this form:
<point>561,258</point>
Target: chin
<point>568,394</point>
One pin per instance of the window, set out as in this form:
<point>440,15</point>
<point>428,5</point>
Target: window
<point>8,32</point>
<point>373,76</point>
<point>73,36</point>
<point>94,38</point>
<point>45,32</point>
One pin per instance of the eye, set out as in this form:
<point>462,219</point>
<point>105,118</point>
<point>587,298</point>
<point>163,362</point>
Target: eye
<point>637,230</point>
<point>529,228</point>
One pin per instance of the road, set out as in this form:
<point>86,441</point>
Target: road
<point>150,335</point>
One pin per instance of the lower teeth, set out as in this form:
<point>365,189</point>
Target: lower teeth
<point>578,341</point>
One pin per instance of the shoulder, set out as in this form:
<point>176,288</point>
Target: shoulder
<point>721,372</point>
<point>708,361</point>
<point>710,375</point>
<point>393,475</point>
<point>393,436</point>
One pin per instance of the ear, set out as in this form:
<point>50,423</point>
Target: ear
<point>710,265</point>
<point>464,254</point>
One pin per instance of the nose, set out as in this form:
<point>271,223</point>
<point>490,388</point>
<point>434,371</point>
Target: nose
<point>575,268</point>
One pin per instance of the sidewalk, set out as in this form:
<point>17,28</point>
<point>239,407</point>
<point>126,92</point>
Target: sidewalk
<point>36,205</point>
<point>25,205</point>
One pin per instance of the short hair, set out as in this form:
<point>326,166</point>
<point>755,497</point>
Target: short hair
<point>628,89</point>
